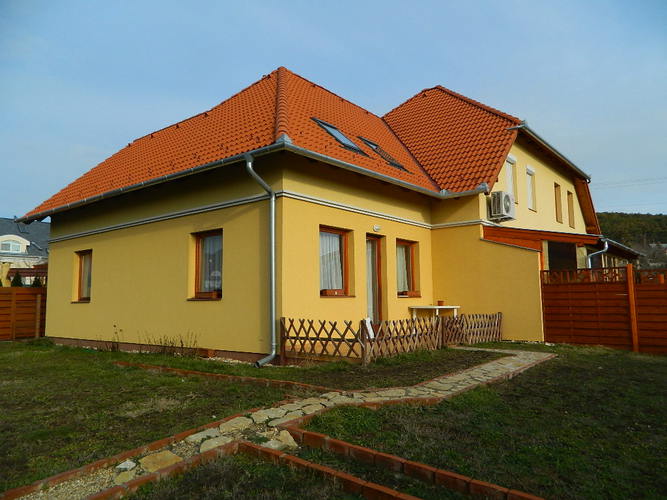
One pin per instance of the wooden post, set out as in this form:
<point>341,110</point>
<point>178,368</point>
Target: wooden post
<point>38,314</point>
<point>283,357</point>
<point>363,338</point>
<point>632,302</point>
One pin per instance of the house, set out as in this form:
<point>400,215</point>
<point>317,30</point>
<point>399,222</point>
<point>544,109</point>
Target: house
<point>287,200</point>
<point>23,250</point>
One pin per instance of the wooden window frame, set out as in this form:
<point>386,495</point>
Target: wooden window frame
<point>558,198</point>
<point>377,241</point>
<point>199,294</point>
<point>345,291</point>
<point>412,278</point>
<point>81,254</point>
<point>570,209</point>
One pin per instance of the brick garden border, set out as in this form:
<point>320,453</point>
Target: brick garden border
<point>239,378</point>
<point>426,473</point>
<point>105,462</point>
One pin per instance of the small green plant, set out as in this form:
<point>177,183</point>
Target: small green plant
<point>17,280</point>
<point>36,283</point>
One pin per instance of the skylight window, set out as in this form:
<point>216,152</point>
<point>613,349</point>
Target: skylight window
<point>345,141</point>
<point>382,153</point>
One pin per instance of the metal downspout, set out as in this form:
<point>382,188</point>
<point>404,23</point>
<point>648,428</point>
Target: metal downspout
<point>589,257</point>
<point>272,260</point>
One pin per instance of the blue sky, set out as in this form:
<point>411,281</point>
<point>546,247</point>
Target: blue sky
<point>81,79</point>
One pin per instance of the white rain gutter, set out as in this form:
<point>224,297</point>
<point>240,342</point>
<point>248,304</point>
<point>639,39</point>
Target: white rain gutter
<point>272,259</point>
<point>589,257</point>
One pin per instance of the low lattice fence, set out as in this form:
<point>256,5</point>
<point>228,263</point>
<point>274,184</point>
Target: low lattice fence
<point>363,342</point>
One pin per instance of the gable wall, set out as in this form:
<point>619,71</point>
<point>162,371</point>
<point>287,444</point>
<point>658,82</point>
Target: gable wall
<point>546,174</point>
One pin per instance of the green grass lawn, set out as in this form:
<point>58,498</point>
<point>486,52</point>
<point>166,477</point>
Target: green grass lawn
<point>241,477</point>
<point>403,370</point>
<point>587,424</point>
<point>61,408</point>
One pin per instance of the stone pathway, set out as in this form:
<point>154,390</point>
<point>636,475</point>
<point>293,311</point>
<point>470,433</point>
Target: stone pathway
<point>264,422</point>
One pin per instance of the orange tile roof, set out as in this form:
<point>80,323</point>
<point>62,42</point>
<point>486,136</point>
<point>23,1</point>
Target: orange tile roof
<point>460,142</point>
<point>280,103</point>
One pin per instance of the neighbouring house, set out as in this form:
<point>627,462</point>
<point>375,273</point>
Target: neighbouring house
<point>441,199</point>
<point>24,249</point>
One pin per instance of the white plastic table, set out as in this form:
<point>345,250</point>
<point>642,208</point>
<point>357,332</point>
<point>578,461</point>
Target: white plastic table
<point>435,309</point>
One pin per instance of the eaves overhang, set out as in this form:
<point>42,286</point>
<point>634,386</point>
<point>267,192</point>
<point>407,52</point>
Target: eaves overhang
<point>523,127</point>
<point>282,144</point>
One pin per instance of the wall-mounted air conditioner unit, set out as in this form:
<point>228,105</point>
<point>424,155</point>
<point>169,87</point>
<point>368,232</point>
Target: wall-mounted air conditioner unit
<point>502,206</point>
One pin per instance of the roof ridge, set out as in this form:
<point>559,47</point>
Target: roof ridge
<point>282,105</point>
<point>329,91</point>
<point>479,104</point>
<point>469,100</point>
<point>208,110</point>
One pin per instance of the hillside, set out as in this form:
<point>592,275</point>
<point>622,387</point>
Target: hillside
<point>639,231</point>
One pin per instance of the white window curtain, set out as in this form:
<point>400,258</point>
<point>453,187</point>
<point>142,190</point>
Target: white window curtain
<point>402,262</point>
<point>331,261</point>
<point>211,263</point>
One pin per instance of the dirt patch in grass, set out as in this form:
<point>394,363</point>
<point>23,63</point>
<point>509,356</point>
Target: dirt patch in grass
<point>587,424</point>
<point>403,370</point>
<point>74,406</point>
<point>241,477</point>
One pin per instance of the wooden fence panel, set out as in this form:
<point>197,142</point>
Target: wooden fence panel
<point>321,340</point>
<point>22,312</point>
<point>603,308</point>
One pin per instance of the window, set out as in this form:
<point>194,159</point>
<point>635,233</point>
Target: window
<point>405,269</point>
<point>559,203</point>
<point>11,246</point>
<point>208,276</point>
<point>510,172</point>
<point>344,141</point>
<point>333,262</point>
<point>85,275</point>
<point>530,188</point>
<point>570,209</point>
<point>382,153</point>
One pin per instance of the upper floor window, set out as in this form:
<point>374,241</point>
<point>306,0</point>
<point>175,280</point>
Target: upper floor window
<point>344,140</point>
<point>405,268</point>
<point>530,188</point>
<point>510,176</point>
<point>333,261</point>
<point>558,198</point>
<point>85,275</point>
<point>11,246</point>
<point>570,209</point>
<point>208,277</point>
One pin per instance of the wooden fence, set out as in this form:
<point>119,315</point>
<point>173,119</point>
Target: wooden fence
<point>22,312</point>
<point>617,307</point>
<point>362,342</point>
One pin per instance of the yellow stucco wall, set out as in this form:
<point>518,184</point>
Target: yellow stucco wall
<point>544,216</point>
<point>300,281</point>
<point>142,277</point>
<point>487,277</point>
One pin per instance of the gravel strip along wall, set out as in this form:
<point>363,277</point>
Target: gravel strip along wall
<point>149,462</point>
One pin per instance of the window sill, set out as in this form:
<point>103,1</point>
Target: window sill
<point>337,296</point>
<point>204,299</point>
<point>409,295</point>
<point>532,209</point>
<point>81,301</point>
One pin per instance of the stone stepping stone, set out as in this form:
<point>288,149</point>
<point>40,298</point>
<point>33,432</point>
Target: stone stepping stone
<point>160,460</point>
